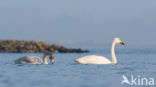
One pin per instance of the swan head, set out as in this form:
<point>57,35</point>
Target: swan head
<point>52,58</point>
<point>119,41</point>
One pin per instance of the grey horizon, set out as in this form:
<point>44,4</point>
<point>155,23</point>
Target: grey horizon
<point>78,21</point>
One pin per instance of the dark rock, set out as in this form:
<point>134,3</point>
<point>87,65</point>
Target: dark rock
<point>21,46</point>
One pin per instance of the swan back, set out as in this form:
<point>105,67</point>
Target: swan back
<point>93,59</point>
<point>29,60</point>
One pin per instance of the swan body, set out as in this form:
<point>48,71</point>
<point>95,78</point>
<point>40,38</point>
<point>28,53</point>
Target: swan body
<point>29,60</point>
<point>94,59</point>
<point>35,59</point>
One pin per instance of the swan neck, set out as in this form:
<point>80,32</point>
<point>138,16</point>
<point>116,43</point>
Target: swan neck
<point>114,60</point>
<point>45,60</point>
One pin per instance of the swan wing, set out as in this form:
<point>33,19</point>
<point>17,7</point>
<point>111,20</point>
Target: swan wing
<point>93,59</point>
<point>29,60</point>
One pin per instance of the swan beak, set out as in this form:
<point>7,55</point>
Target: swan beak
<point>52,61</point>
<point>121,42</point>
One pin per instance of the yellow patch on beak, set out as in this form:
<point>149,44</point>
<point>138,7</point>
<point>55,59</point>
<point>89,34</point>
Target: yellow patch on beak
<point>121,42</point>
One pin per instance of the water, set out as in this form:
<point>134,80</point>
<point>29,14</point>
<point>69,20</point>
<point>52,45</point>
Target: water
<point>132,60</point>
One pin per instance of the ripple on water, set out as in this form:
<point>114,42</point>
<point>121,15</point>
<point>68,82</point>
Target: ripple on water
<point>65,72</point>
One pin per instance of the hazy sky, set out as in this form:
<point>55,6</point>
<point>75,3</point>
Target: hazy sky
<point>78,20</point>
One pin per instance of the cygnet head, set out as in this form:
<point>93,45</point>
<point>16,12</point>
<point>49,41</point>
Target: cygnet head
<point>117,40</point>
<point>52,58</point>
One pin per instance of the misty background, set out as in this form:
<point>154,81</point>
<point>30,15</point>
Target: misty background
<point>79,21</point>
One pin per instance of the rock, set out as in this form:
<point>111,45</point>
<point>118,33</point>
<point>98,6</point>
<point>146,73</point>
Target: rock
<point>35,46</point>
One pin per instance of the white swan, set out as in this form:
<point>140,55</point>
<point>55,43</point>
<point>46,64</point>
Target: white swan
<point>35,59</point>
<point>93,59</point>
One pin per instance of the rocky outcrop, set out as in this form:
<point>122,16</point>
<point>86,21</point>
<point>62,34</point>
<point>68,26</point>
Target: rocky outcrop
<point>22,46</point>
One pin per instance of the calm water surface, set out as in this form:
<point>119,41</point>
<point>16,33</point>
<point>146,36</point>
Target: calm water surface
<point>133,60</point>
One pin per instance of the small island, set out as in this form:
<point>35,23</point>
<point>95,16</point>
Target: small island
<point>34,46</point>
